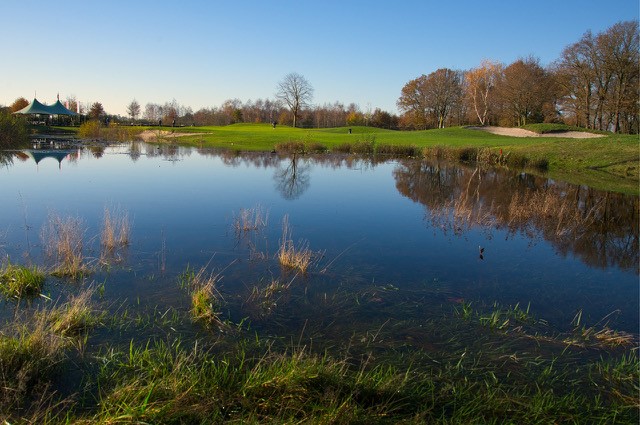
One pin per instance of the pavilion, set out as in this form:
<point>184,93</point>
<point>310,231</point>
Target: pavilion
<point>37,108</point>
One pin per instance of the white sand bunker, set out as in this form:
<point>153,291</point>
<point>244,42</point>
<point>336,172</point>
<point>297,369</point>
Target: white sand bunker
<point>520,132</point>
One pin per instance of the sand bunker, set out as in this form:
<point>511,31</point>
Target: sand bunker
<point>519,132</point>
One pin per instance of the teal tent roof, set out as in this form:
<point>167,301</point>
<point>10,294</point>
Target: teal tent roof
<point>36,107</point>
<point>59,109</point>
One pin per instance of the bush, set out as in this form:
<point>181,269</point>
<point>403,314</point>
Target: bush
<point>13,131</point>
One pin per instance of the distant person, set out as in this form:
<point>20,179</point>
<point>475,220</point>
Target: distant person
<point>173,123</point>
<point>349,131</point>
<point>274,124</point>
<point>159,122</point>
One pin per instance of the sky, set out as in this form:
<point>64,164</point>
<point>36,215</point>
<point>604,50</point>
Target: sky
<point>201,53</point>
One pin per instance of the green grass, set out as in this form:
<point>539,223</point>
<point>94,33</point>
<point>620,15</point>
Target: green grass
<point>19,281</point>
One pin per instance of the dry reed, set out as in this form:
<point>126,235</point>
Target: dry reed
<point>292,256</point>
<point>115,229</point>
<point>62,239</point>
<point>251,219</point>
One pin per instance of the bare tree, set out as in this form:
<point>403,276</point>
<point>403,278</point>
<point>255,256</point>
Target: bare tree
<point>296,92</point>
<point>133,109</point>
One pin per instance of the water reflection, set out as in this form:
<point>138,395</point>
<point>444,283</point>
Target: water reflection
<point>601,228</point>
<point>293,178</point>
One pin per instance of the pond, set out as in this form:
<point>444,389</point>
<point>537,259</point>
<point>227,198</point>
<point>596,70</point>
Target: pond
<point>410,261</point>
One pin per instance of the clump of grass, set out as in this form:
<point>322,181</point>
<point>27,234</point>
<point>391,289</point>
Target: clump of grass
<point>398,150</point>
<point>75,316</point>
<point>292,146</point>
<point>292,256</point>
<point>250,219</point>
<point>205,299</point>
<point>62,239</point>
<point>315,147</point>
<point>19,281</point>
<point>115,229</point>
<point>29,357</point>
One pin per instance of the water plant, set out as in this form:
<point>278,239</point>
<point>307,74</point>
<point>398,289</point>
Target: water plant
<point>291,256</point>
<point>115,229</point>
<point>62,239</point>
<point>20,281</point>
<point>75,316</point>
<point>250,219</point>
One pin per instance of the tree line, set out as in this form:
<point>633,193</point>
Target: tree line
<point>594,84</point>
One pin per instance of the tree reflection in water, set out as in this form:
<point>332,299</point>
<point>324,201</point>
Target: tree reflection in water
<point>599,227</point>
<point>292,180</point>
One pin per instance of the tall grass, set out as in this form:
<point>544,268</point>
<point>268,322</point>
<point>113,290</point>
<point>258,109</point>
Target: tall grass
<point>291,256</point>
<point>115,232</point>
<point>250,219</point>
<point>74,317</point>
<point>62,239</point>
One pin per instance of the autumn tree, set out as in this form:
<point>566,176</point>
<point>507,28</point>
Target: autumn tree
<point>133,109</point>
<point>480,88</point>
<point>525,89</point>
<point>430,98</point>
<point>18,104</point>
<point>96,110</point>
<point>295,92</point>
<point>619,49</point>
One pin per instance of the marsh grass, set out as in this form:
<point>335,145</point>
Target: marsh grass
<point>206,301</point>
<point>291,256</point>
<point>20,281</point>
<point>30,356</point>
<point>79,314</point>
<point>62,239</point>
<point>115,230</point>
<point>250,219</point>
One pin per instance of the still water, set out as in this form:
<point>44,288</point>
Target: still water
<point>398,245</point>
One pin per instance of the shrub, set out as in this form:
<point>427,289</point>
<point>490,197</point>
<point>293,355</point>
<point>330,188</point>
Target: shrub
<point>13,131</point>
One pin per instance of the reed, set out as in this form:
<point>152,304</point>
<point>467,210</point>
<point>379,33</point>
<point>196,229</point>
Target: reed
<point>250,219</point>
<point>291,256</point>
<point>19,281</point>
<point>62,239</point>
<point>115,230</point>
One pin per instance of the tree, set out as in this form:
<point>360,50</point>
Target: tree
<point>430,99</point>
<point>296,92</point>
<point>618,47</point>
<point>133,109</point>
<point>96,110</point>
<point>480,88</point>
<point>525,90</point>
<point>18,104</point>
<point>413,102</point>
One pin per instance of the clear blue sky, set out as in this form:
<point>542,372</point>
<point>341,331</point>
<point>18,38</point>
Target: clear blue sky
<point>204,52</point>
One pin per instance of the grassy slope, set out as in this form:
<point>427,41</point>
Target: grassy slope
<point>610,162</point>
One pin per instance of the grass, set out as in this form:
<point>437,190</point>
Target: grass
<point>250,219</point>
<point>62,239</point>
<point>205,299</point>
<point>74,317</point>
<point>19,281</point>
<point>291,256</point>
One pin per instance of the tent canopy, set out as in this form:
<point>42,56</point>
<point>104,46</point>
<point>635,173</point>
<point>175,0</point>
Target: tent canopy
<point>36,107</point>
